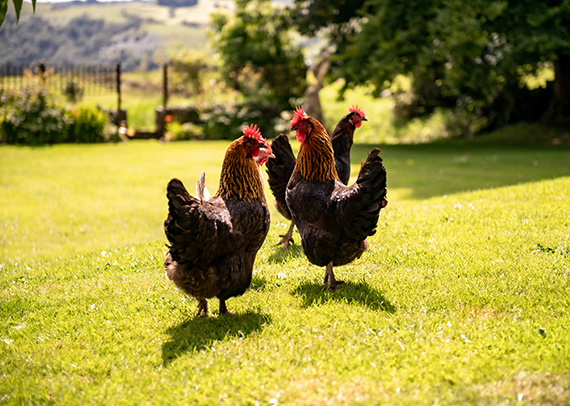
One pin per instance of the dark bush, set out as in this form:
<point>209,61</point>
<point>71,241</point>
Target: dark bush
<point>218,121</point>
<point>32,117</point>
<point>226,121</point>
<point>87,125</point>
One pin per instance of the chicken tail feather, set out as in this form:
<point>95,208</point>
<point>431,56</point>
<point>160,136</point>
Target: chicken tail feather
<point>372,180</point>
<point>201,190</point>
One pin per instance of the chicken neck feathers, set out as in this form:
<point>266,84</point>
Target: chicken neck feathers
<point>239,177</point>
<point>315,161</point>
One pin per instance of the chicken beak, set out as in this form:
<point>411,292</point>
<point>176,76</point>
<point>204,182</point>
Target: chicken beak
<point>293,128</point>
<point>268,151</point>
<point>364,119</point>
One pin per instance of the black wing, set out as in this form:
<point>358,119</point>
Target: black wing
<point>357,207</point>
<point>279,170</point>
<point>199,231</point>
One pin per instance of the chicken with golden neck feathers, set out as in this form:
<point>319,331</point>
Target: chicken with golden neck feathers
<point>213,243</point>
<point>279,170</point>
<point>333,219</point>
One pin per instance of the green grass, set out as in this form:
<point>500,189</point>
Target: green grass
<point>462,297</point>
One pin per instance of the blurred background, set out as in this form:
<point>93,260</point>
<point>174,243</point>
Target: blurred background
<point>203,69</point>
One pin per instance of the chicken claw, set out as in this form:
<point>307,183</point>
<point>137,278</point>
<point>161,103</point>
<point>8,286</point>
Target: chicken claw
<point>287,238</point>
<point>329,280</point>
<point>202,308</point>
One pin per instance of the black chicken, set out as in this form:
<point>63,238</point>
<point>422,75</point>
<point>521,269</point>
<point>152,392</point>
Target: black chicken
<point>333,219</point>
<point>213,243</point>
<point>342,139</point>
<point>280,168</point>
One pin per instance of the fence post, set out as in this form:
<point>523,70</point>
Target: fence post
<point>164,86</point>
<point>42,73</point>
<point>119,115</point>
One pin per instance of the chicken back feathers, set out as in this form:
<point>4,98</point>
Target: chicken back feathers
<point>213,243</point>
<point>333,219</point>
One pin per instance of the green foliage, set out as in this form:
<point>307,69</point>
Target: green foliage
<point>176,131</point>
<point>334,20</point>
<point>259,57</point>
<point>226,121</point>
<point>73,92</point>
<point>87,125</point>
<point>460,299</point>
<point>187,69</point>
<point>33,117</point>
<point>17,8</point>
<point>471,57</point>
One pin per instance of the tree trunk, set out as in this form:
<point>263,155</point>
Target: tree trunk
<point>559,111</point>
<point>312,98</point>
<point>562,79</point>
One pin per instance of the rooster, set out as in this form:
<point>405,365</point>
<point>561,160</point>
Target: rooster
<point>213,243</point>
<point>333,219</point>
<point>280,168</point>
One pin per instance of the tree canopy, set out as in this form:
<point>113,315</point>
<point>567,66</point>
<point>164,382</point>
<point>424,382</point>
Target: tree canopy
<point>472,56</point>
<point>259,57</point>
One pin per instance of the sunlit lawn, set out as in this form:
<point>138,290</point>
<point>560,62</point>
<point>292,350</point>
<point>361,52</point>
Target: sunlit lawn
<point>462,297</point>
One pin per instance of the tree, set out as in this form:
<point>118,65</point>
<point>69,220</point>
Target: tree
<point>17,8</point>
<point>471,56</point>
<point>259,57</point>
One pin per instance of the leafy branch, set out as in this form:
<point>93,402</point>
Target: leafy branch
<point>17,7</point>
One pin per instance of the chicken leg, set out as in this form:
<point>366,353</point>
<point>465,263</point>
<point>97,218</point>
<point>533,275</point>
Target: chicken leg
<point>223,308</point>
<point>287,238</point>
<point>329,280</point>
<point>202,307</point>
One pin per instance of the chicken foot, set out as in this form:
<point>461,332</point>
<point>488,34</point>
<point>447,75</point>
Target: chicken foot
<point>202,307</point>
<point>329,280</point>
<point>287,238</point>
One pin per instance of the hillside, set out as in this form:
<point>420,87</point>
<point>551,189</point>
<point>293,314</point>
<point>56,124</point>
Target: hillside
<point>137,34</point>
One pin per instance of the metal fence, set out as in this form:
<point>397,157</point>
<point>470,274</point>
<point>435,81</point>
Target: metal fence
<point>88,79</point>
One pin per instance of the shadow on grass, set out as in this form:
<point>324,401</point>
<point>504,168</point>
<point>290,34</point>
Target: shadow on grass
<point>280,255</point>
<point>359,293</point>
<point>427,170</point>
<point>199,333</point>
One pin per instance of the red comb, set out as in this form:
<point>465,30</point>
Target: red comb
<point>252,130</point>
<point>355,108</point>
<point>299,114</point>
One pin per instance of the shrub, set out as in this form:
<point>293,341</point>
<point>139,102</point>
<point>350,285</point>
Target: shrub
<point>87,125</point>
<point>226,121</point>
<point>176,131</point>
<point>33,117</point>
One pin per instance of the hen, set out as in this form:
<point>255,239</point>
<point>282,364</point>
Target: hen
<point>280,168</point>
<point>342,139</point>
<point>213,243</point>
<point>333,219</point>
